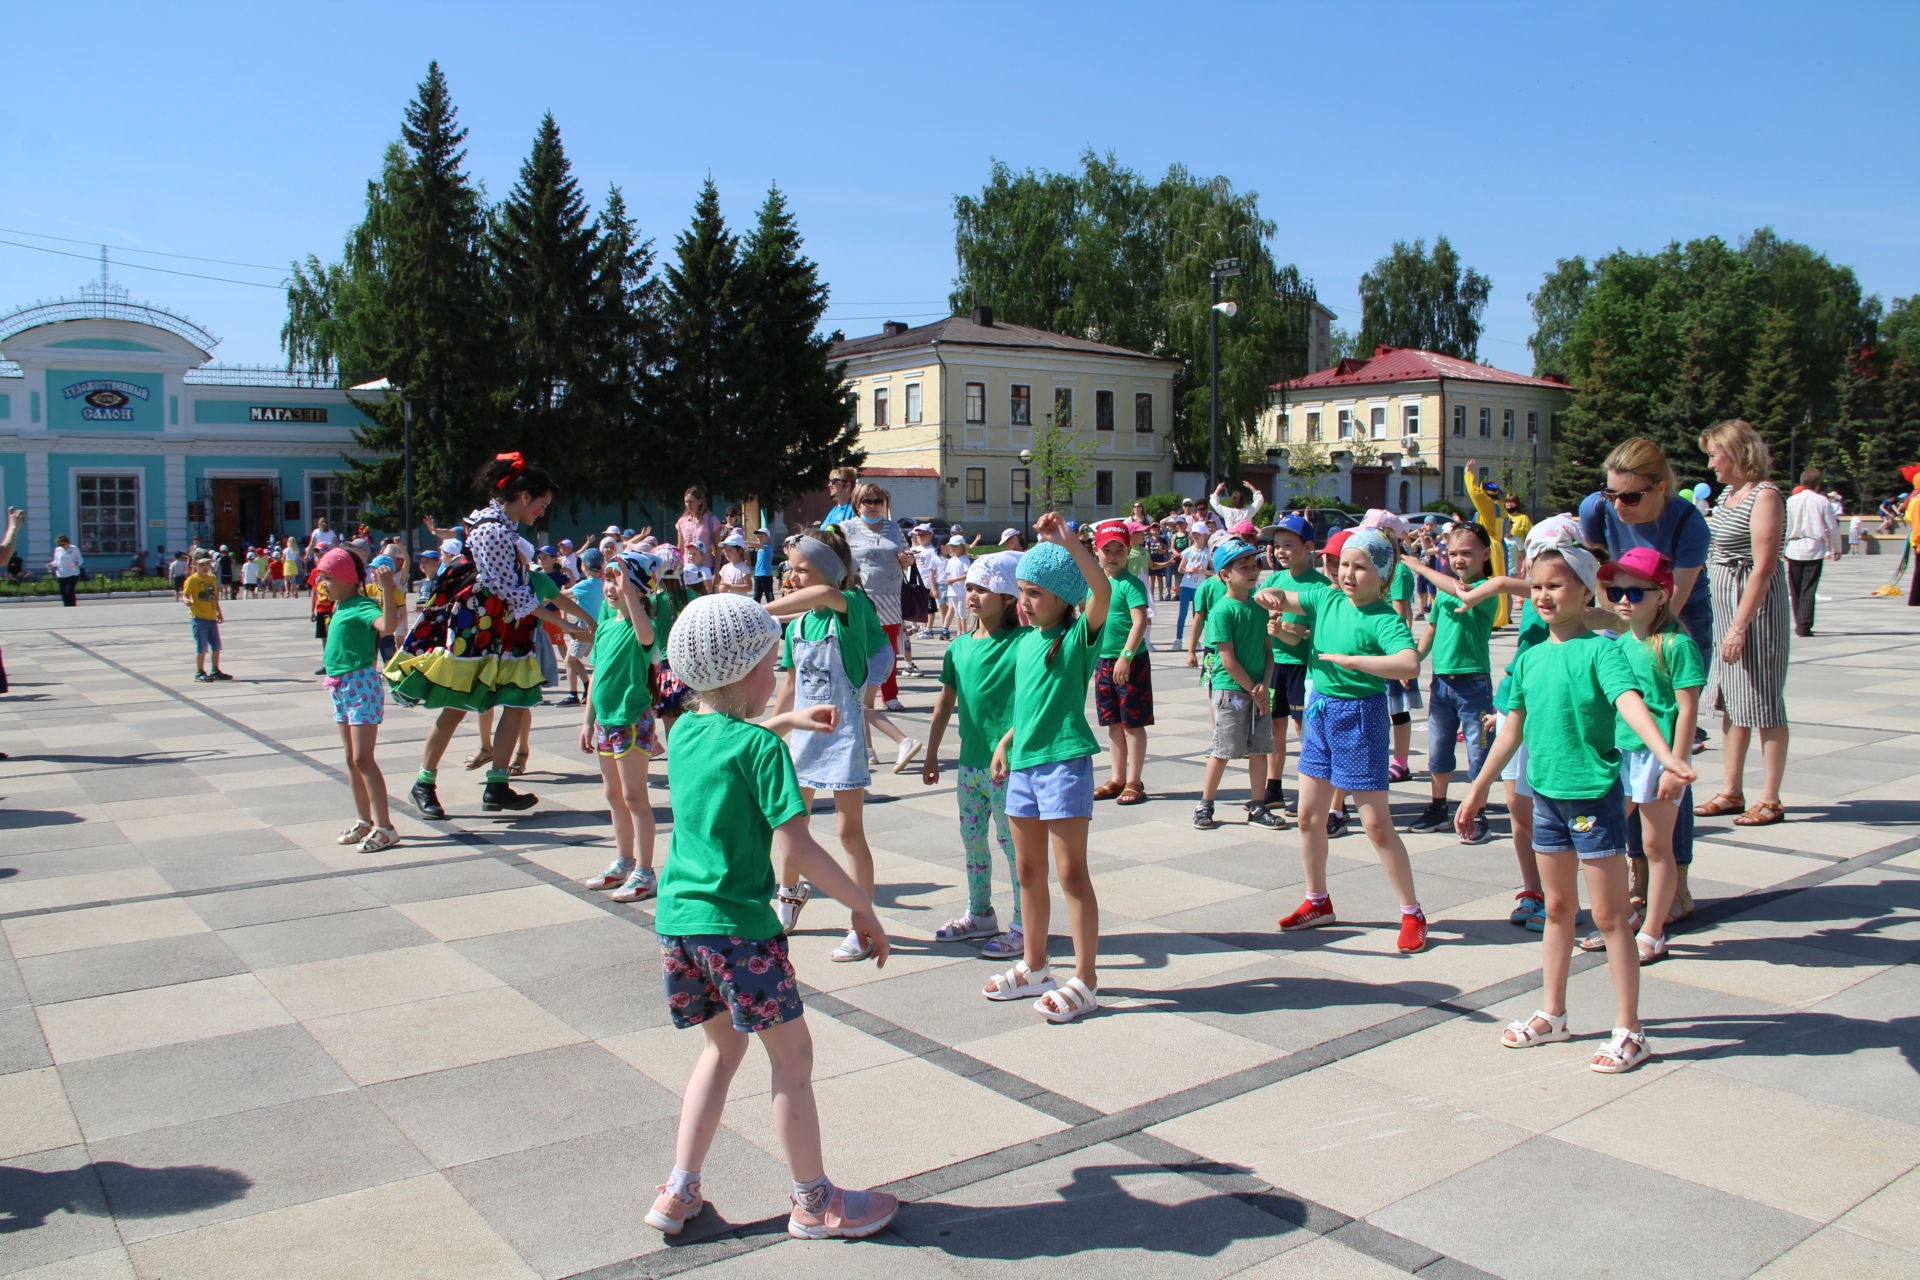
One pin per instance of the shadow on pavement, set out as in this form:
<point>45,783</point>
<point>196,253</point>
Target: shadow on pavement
<point>1803,1033</point>
<point>28,1197</point>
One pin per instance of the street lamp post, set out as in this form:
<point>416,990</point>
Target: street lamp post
<point>1223,269</point>
<point>384,389</point>
<point>1026,497</point>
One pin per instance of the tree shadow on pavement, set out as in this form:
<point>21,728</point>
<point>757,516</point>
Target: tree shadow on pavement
<point>1800,1033</point>
<point>1850,922</point>
<point>28,1197</point>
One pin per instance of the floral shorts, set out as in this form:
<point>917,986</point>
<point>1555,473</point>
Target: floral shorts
<point>750,980</point>
<point>673,694</point>
<point>359,697</point>
<point>616,740</point>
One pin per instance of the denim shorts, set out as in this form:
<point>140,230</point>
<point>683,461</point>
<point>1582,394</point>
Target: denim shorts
<point>1403,699</point>
<point>1345,741</point>
<point>1063,789</point>
<point>1594,828</point>
<point>359,697</point>
<point>751,980</point>
<point>206,635</point>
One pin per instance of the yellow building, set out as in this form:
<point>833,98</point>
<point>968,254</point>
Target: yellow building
<point>1401,426</point>
<point>965,395</point>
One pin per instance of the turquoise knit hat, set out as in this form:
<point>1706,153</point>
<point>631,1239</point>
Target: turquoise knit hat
<point>1050,567</point>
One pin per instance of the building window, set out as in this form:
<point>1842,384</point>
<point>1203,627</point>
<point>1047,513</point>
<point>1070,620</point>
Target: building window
<point>1346,424</point>
<point>1379,422</point>
<point>853,410</point>
<point>1410,420</point>
<point>1486,423</point>
<point>1103,488</point>
<point>1063,405</point>
<point>1506,424</point>
<point>976,486</point>
<point>327,496</point>
<point>976,403</point>
<point>1405,495</point>
<point>1283,427</point>
<point>881,416</point>
<point>1021,406</point>
<point>1020,483</point>
<point>1459,421</point>
<point>1142,411</point>
<point>1459,481</point>
<point>1553,426</point>
<point>913,402</point>
<point>1313,426</point>
<point>109,514</point>
<point>1486,475</point>
<point>1533,424</point>
<point>1103,411</point>
<point>1142,483</point>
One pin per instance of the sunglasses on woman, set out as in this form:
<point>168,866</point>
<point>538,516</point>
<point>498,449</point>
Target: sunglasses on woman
<point>1626,497</point>
<point>1632,595</point>
<point>870,502</point>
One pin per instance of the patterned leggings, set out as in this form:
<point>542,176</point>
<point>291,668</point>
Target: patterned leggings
<point>981,796</point>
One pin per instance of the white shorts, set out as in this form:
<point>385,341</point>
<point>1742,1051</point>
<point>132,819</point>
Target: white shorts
<point>1516,770</point>
<point>1640,775</point>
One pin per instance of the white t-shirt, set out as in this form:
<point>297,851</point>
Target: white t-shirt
<point>954,572</point>
<point>324,538</point>
<point>1193,565</point>
<point>1854,528</point>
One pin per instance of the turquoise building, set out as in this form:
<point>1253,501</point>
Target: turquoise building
<point>117,430</point>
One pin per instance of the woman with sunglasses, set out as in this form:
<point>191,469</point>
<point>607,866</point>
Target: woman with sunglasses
<point>840,482</point>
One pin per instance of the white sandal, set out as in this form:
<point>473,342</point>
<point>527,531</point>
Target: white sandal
<point>1650,949</point>
<point>855,947</point>
<point>355,833</point>
<point>1064,1004</point>
<point>1625,1051</point>
<point>380,838</point>
<point>1018,983</point>
<point>1525,1037</point>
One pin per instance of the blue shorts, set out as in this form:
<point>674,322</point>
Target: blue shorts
<point>206,635</point>
<point>1403,699</point>
<point>1591,828</point>
<point>1640,776</point>
<point>359,697</point>
<point>751,980</point>
<point>1516,770</point>
<point>1063,789</point>
<point>1345,741</point>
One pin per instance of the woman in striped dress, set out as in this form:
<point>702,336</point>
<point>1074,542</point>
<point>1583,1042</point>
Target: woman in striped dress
<point>1749,677</point>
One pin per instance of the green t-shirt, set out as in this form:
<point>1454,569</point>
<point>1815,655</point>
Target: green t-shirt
<point>1340,626</point>
<point>1283,580</point>
<point>1050,699</point>
<point>1567,691</point>
<point>1462,638</point>
<point>979,669</point>
<point>1208,593</point>
<point>1242,624</point>
<point>1533,631</point>
<point>543,587</point>
<point>1137,559</point>
<point>860,635</point>
<point>732,784</point>
<point>1129,593</point>
<point>352,642</point>
<point>1684,669</point>
<point>1400,590</point>
<point>620,663</point>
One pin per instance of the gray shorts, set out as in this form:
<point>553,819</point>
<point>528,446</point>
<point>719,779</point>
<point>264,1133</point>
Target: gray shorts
<point>581,649</point>
<point>1241,726</point>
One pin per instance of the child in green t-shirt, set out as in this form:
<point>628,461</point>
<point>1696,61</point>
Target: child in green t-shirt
<point>1123,676</point>
<point>1291,541</point>
<point>618,726</point>
<point>1242,714</point>
<point>1563,702</point>
<point>1046,757</point>
<point>359,693</point>
<point>1461,692</point>
<point>727,969</point>
<point>1359,644</point>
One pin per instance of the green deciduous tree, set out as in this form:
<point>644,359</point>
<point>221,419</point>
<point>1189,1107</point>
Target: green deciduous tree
<point>1106,254</point>
<point>1427,301</point>
<point>1556,306</point>
<point>1062,459</point>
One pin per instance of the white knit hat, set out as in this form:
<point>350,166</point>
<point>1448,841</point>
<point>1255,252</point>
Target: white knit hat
<point>995,573</point>
<point>719,639</point>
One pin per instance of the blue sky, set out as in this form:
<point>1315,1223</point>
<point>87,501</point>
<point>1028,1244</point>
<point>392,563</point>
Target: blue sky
<point>1523,132</point>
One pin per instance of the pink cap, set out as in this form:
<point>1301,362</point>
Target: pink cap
<point>1642,562</point>
<point>338,563</point>
<point>1244,529</point>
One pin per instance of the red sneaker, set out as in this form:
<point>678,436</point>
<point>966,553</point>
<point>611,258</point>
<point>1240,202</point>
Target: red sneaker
<point>1311,915</point>
<point>1413,934</point>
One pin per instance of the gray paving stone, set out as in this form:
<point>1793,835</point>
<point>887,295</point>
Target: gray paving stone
<point>527,955</point>
<point>510,1104</point>
<point>421,884</point>
<point>1878,919</point>
<point>604,1002</point>
<point>44,850</point>
<point>52,1208</point>
<point>13,990</point>
<point>273,1157</point>
<point>1289,1005</point>
<point>168,852</point>
<point>273,903</point>
<point>1478,1216</point>
<point>128,966</point>
<point>22,1047</point>
<point>269,946</point>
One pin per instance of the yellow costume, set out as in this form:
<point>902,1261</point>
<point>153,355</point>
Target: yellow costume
<point>1487,508</point>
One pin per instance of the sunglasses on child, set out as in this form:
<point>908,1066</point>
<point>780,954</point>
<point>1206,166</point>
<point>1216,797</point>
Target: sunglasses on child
<point>1632,595</point>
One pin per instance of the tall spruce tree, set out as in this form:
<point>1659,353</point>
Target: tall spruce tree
<point>1696,398</point>
<point>1900,403</point>
<point>1601,417</point>
<point>622,365</point>
<point>411,300</point>
<point>545,268</point>
<point>700,407</point>
<point>1773,402</point>
<point>793,397</point>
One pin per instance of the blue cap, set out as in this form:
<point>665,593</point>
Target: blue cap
<point>1229,551</point>
<point>382,562</point>
<point>1297,525</point>
<point>548,550</point>
<point>1073,526</point>
<point>428,554</point>
<point>1050,567</point>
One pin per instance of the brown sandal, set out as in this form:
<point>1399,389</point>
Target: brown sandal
<point>1108,790</point>
<point>1763,814</point>
<point>1725,802</point>
<point>1134,794</point>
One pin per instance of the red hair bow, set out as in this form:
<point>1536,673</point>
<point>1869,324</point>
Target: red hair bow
<point>516,464</point>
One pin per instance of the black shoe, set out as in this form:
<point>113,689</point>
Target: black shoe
<point>571,700</point>
<point>218,674</point>
<point>1259,815</point>
<point>1432,818</point>
<point>426,798</point>
<point>1203,817</point>
<point>498,795</point>
<point>1478,833</point>
<point>1336,823</point>
<point>319,671</point>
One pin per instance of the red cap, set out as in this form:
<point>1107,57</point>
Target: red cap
<point>1336,544</point>
<point>1110,531</point>
<point>1642,562</point>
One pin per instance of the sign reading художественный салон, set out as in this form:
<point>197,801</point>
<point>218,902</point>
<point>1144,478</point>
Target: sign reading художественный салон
<point>105,399</point>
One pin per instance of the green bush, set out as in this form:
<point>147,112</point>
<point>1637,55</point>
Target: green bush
<point>97,585</point>
<point>1442,506</point>
<point>1159,506</point>
<point>1264,516</point>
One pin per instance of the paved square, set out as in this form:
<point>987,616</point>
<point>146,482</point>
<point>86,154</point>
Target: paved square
<point>232,1048</point>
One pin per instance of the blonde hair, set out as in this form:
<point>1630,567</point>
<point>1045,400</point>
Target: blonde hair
<point>1744,447</point>
<point>1642,457</point>
<point>846,475</point>
<point>868,489</point>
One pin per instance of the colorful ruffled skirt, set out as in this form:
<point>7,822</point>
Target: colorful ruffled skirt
<point>472,655</point>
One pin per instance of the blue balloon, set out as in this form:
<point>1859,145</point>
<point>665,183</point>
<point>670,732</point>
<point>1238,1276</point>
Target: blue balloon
<point>1703,490</point>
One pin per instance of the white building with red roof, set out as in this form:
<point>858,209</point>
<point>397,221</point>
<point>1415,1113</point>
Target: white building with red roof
<point>1399,429</point>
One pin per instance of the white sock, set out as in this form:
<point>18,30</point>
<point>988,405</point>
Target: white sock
<point>813,1195</point>
<point>1319,899</point>
<point>683,1182</point>
<point>1411,909</point>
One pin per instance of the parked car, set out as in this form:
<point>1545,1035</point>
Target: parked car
<point>1328,521</point>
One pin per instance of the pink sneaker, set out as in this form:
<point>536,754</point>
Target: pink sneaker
<point>672,1211</point>
<point>848,1215</point>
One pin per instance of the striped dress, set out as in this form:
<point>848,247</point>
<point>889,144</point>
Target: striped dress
<point>1752,692</point>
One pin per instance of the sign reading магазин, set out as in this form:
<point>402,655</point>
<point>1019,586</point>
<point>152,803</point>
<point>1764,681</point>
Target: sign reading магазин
<point>274,413</point>
<point>105,399</point>
<point>93,399</point>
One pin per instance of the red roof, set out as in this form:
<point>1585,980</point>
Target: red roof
<point>897,472</point>
<point>1405,364</point>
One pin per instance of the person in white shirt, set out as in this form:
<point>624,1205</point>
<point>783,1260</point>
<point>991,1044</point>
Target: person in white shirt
<point>1233,515</point>
<point>66,565</point>
<point>1857,534</point>
<point>1810,544</point>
